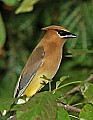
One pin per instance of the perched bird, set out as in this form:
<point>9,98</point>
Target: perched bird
<point>44,60</point>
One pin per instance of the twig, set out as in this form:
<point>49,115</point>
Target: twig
<point>68,107</point>
<point>77,88</point>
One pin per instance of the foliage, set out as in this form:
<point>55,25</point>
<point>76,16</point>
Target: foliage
<point>2,33</point>
<point>87,112</point>
<point>20,24</point>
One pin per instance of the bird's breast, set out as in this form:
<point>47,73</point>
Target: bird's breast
<point>52,60</point>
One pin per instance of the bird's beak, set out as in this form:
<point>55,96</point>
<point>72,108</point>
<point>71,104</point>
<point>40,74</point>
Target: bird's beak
<point>69,35</point>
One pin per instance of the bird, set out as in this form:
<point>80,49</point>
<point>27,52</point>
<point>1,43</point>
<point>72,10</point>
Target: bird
<point>43,61</point>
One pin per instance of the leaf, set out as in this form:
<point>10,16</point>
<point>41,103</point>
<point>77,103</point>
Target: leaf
<point>87,91</point>
<point>2,32</point>
<point>86,113</point>
<point>40,107</point>
<point>61,80</point>
<point>75,52</point>
<point>26,6</point>
<point>79,21</point>
<point>9,2</point>
<point>45,78</point>
<point>63,100</point>
<point>5,104</point>
<point>62,114</point>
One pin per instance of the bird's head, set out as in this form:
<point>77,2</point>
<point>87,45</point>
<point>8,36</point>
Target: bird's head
<point>60,31</point>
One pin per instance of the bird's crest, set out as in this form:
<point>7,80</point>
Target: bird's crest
<point>54,27</point>
<point>62,32</point>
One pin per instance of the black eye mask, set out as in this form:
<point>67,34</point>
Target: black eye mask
<point>65,34</point>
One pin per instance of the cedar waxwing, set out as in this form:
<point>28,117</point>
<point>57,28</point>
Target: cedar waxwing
<point>44,60</point>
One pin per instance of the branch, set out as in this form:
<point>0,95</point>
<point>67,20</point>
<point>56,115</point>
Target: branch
<point>68,107</point>
<point>77,88</point>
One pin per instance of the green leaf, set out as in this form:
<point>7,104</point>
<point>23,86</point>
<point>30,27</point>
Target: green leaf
<point>26,6</point>
<point>2,32</point>
<point>5,104</point>
<point>62,114</point>
<point>45,78</point>
<point>86,113</point>
<point>61,80</point>
<point>63,100</point>
<point>42,106</point>
<point>87,91</point>
<point>9,2</point>
<point>79,51</point>
<point>78,21</point>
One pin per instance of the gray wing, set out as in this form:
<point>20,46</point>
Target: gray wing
<point>33,64</point>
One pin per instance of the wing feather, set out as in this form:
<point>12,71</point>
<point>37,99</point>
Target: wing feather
<point>33,64</point>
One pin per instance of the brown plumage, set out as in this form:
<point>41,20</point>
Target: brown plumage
<point>44,60</point>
